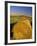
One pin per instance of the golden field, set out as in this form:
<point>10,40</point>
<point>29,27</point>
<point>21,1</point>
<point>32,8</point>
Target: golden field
<point>23,27</point>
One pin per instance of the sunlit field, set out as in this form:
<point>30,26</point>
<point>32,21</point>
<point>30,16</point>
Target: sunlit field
<point>20,22</point>
<point>20,27</point>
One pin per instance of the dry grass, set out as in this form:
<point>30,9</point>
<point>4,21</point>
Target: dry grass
<point>22,29</point>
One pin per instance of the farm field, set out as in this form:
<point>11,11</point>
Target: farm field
<point>20,27</point>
